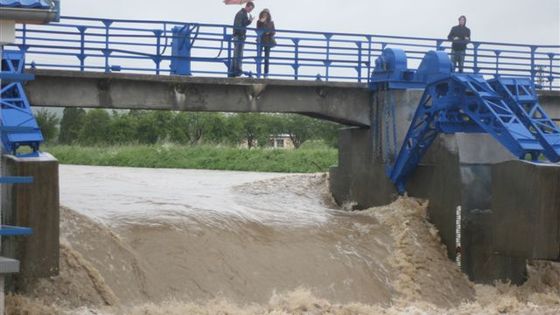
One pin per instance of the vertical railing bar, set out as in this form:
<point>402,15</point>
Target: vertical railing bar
<point>369,38</point>
<point>533,70</point>
<point>475,61</point>
<point>106,51</point>
<point>82,56</point>
<point>327,61</point>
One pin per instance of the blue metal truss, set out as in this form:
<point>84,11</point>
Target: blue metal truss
<point>506,108</point>
<point>520,95</point>
<point>17,123</point>
<point>18,126</point>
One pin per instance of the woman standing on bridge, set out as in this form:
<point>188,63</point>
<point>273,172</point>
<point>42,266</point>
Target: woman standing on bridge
<point>266,29</point>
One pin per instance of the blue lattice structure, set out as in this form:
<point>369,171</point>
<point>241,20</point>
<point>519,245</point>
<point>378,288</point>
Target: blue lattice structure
<point>506,108</point>
<point>18,125</point>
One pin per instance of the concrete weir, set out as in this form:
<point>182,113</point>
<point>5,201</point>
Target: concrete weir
<point>509,209</point>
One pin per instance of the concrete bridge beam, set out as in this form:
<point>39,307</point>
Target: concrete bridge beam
<point>346,103</point>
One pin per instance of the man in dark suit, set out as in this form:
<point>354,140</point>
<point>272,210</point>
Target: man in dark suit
<point>242,20</point>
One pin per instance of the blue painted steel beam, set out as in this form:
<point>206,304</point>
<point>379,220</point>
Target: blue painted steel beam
<point>6,77</point>
<point>8,230</point>
<point>16,180</point>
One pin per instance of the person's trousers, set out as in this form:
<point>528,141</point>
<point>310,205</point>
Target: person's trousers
<point>236,68</point>
<point>266,50</point>
<point>458,59</point>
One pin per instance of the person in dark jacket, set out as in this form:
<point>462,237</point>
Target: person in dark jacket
<point>266,29</point>
<point>242,20</point>
<point>461,36</point>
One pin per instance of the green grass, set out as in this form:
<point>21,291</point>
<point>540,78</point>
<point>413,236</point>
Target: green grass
<point>316,158</point>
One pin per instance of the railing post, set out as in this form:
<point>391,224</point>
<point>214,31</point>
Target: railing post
<point>259,53</point>
<point>23,47</point>
<point>359,67</point>
<point>107,51</point>
<point>82,55</point>
<point>227,38</point>
<point>533,70</point>
<point>157,58</point>
<point>328,60</point>
<point>369,39</point>
<point>439,44</point>
<point>476,69</point>
<point>497,52</point>
<point>550,77</point>
<point>295,65</point>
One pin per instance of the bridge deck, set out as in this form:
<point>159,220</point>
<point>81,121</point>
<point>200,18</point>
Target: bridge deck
<point>346,103</point>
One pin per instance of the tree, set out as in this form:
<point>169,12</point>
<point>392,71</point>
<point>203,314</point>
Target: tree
<point>251,127</point>
<point>122,129</point>
<point>301,128</point>
<point>48,123</point>
<point>95,127</point>
<point>71,125</point>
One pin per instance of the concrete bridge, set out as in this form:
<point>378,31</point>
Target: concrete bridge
<point>320,76</point>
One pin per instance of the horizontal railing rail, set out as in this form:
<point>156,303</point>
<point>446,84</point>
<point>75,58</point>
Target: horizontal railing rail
<point>137,46</point>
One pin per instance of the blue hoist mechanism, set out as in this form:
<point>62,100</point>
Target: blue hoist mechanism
<point>506,108</point>
<point>18,126</point>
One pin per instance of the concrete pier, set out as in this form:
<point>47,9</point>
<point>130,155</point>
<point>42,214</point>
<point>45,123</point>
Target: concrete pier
<point>461,170</point>
<point>37,206</point>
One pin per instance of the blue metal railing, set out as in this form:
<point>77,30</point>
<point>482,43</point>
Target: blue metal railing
<point>137,46</point>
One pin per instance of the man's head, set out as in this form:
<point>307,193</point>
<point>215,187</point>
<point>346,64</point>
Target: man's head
<point>249,6</point>
<point>462,20</point>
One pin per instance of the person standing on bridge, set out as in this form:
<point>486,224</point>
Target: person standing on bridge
<point>266,30</point>
<point>242,20</point>
<point>461,36</point>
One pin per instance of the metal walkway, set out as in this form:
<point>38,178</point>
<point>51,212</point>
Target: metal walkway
<point>147,47</point>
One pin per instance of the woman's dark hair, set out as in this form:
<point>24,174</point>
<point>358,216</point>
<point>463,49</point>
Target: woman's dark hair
<point>267,12</point>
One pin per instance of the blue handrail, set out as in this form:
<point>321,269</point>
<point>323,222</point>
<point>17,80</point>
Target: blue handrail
<point>144,46</point>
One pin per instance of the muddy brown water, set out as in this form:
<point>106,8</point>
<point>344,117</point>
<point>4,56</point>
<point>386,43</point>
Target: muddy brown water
<point>153,241</point>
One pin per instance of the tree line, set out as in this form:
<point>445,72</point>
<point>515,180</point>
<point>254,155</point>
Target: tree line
<point>102,127</point>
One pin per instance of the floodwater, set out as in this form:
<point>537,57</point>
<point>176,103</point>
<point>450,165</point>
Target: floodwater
<point>155,241</point>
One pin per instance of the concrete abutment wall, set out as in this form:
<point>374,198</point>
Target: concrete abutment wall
<point>37,206</point>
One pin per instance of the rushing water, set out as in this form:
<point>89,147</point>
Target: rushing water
<point>153,241</point>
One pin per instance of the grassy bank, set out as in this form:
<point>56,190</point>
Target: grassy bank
<point>316,158</point>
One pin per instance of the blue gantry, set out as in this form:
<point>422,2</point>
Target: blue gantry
<point>506,108</point>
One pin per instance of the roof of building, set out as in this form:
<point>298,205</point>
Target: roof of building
<point>26,4</point>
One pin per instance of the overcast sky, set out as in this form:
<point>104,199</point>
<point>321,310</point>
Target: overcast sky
<point>512,21</point>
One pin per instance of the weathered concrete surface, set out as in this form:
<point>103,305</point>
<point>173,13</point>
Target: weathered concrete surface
<point>550,100</point>
<point>359,179</point>
<point>37,206</point>
<point>346,103</point>
<point>526,196</point>
<point>455,172</point>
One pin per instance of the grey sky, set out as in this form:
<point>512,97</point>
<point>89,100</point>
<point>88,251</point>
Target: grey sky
<point>512,21</point>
